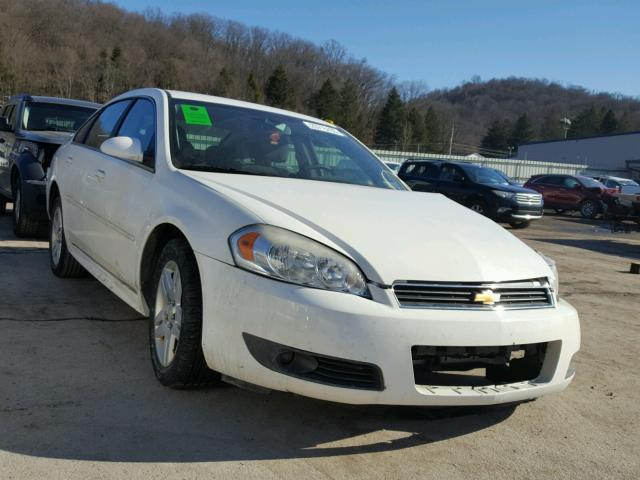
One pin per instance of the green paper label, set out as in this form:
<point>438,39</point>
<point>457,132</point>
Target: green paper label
<point>196,115</point>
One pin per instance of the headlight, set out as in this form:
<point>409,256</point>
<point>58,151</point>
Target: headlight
<point>285,255</point>
<point>553,279</point>
<point>31,147</point>
<point>506,195</point>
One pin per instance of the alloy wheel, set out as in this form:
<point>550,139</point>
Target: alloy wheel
<point>168,313</point>
<point>56,236</point>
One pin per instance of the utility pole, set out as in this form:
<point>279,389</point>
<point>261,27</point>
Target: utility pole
<point>453,129</point>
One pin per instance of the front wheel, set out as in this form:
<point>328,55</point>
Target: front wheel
<point>478,206</point>
<point>589,209</point>
<point>522,224</point>
<point>62,263</point>
<point>23,225</point>
<point>175,320</point>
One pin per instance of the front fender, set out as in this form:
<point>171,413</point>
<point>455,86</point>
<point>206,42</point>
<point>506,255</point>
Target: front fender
<point>29,167</point>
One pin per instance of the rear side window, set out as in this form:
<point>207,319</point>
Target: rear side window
<point>570,182</point>
<point>105,125</point>
<point>140,123</point>
<point>431,171</point>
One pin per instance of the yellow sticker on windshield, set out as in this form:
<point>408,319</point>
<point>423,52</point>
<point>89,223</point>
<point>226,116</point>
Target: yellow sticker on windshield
<point>196,115</point>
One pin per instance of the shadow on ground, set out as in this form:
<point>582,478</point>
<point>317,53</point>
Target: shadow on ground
<point>610,247</point>
<point>76,383</point>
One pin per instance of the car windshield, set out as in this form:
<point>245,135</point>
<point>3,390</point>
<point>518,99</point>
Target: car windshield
<point>590,182</point>
<point>228,139</point>
<point>54,116</point>
<point>486,176</point>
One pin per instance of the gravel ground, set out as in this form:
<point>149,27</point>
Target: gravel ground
<point>78,399</point>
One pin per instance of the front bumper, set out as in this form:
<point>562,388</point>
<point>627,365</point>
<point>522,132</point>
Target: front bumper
<point>514,211</point>
<point>376,332</point>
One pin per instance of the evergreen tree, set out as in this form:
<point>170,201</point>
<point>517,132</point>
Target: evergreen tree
<point>391,122</point>
<point>551,128</point>
<point>609,123</point>
<point>278,91</point>
<point>497,137</point>
<point>348,108</point>
<point>253,91</point>
<point>222,87</point>
<point>586,123</point>
<point>325,102</point>
<point>417,129</point>
<point>522,131</point>
<point>433,130</point>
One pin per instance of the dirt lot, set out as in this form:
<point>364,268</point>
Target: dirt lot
<point>78,398</point>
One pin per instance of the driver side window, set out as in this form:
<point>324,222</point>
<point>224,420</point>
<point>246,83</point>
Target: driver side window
<point>105,125</point>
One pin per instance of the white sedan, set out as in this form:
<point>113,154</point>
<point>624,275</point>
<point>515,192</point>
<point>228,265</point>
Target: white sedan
<point>273,249</point>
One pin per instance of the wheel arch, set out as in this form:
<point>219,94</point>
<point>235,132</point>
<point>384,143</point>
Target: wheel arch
<point>54,192</point>
<point>155,242</point>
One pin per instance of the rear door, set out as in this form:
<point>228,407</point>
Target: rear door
<point>452,183</point>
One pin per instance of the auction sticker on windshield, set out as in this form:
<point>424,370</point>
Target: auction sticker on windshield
<point>196,115</point>
<point>323,128</point>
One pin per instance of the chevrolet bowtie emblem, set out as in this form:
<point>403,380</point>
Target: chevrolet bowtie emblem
<point>487,297</point>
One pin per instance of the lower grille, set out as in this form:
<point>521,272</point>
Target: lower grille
<point>477,366</point>
<point>529,199</point>
<point>313,367</point>
<point>504,295</point>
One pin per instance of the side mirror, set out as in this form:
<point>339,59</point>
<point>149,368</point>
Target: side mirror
<point>125,148</point>
<point>4,125</point>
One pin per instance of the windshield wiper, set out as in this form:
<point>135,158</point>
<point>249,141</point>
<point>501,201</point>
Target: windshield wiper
<point>207,168</point>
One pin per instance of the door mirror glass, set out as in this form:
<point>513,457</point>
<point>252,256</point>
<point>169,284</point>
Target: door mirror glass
<point>4,125</point>
<point>125,148</point>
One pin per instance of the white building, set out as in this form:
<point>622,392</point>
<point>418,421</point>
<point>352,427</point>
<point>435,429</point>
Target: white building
<point>607,154</point>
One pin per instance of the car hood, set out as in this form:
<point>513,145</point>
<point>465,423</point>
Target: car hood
<point>46,136</point>
<point>511,188</point>
<point>392,235</point>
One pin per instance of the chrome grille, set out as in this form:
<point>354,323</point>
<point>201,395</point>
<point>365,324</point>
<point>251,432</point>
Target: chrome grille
<point>529,198</point>
<point>480,296</point>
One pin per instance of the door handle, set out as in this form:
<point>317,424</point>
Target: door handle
<point>98,175</point>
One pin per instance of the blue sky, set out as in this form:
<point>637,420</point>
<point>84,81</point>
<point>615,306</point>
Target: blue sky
<point>595,44</point>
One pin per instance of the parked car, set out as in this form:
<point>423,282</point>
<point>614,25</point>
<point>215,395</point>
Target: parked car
<point>31,130</point>
<point>257,256</point>
<point>482,189</point>
<point>616,182</point>
<point>571,192</point>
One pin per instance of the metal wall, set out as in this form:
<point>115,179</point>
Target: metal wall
<point>602,153</point>
<point>520,170</point>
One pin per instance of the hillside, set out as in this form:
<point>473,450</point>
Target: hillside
<point>473,106</point>
<point>94,50</point>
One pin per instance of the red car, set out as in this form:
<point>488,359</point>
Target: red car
<point>571,192</point>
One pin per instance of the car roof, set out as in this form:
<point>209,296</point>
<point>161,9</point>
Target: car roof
<point>181,95</point>
<point>58,100</point>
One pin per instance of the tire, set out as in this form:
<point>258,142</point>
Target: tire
<point>478,206</point>
<point>23,226</point>
<point>62,263</point>
<point>589,209</point>
<point>175,320</point>
<point>518,225</point>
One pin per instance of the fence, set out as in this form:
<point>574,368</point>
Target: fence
<point>519,170</point>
